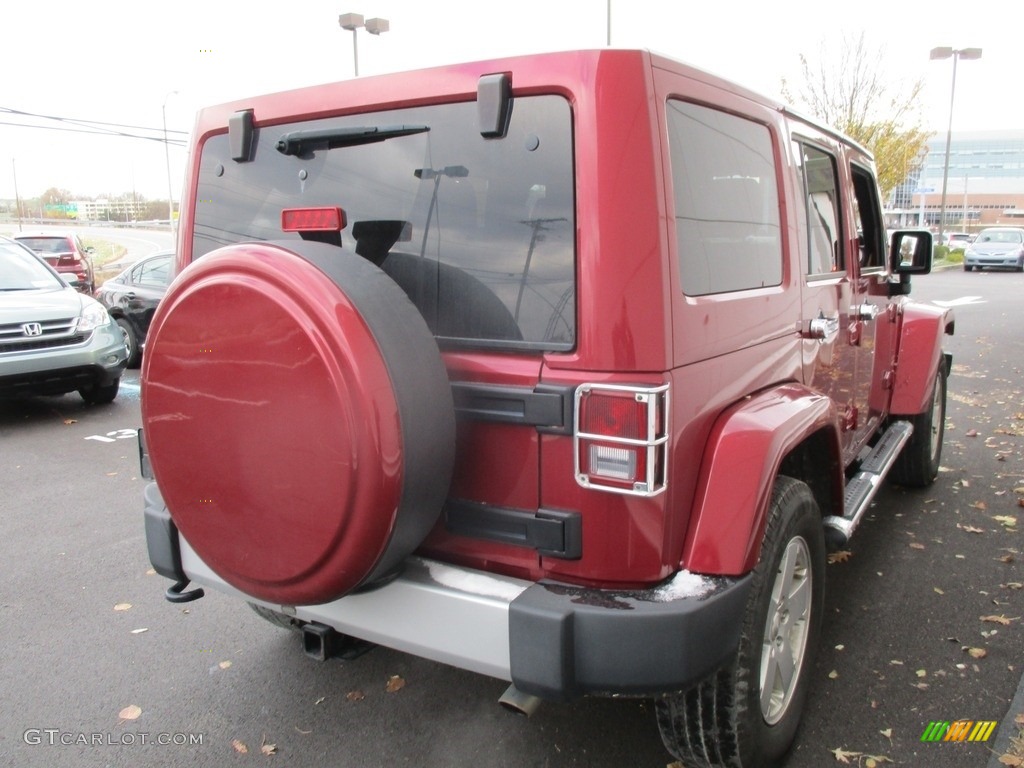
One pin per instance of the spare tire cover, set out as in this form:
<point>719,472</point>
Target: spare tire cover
<point>298,417</point>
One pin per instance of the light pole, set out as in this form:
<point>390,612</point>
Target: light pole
<point>956,54</point>
<point>167,157</point>
<point>352,22</point>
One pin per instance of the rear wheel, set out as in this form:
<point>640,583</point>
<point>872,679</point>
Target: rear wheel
<point>747,713</point>
<point>131,343</point>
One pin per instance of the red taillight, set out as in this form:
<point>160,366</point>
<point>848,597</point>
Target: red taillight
<point>621,438</point>
<point>323,219</point>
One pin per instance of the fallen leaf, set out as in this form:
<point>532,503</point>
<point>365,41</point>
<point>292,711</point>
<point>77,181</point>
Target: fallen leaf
<point>971,433</point>
<point>916,545</point>
<point>1011,760</point>
<point>871,761</point>
<point>843,756</point>
<point>887,733</point>
<point>841,556</point>
<point>240,747</point>
<point>1006,520</point>
<point>970,528</point>
<point>267,749</point>
<point>938,591</point>
<point>224,664</point>
<point>140,630</point>
<point>355,695</point>
<point>997,620</point>
<point>70,421</point>
<point>319,701</point>
<point>922,673</point>
<point>980,505</point>
<point>833,675</point>
<point>131,712</point>
<point>304,733</point>
<point>395,683</point>
<point>977,653</point>
<point>122,606</point>
<point>896,662</point>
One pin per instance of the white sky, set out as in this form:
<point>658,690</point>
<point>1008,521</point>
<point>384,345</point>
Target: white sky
<point>118,60</point>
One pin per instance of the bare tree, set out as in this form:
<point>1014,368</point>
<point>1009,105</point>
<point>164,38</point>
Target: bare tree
<point>852,90</point>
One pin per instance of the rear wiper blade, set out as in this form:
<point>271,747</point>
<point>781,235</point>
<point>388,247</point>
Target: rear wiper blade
<point>300,143</point>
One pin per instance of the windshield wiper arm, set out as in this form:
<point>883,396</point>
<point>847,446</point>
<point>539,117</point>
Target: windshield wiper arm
<point>299,143</point>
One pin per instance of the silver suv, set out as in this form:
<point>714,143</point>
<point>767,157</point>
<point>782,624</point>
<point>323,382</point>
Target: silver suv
<point>53,339</point>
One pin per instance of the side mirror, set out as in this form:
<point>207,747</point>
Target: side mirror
<point>910,252</point>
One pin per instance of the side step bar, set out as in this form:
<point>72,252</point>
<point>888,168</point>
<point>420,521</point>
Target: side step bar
<point>863,486</point>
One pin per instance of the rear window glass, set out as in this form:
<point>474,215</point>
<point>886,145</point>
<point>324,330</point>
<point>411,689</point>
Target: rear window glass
<point>726,201</point>
<point>480,233</point>
<point>47,244</point>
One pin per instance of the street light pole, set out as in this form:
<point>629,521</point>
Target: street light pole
<point>167,158</point>
<point>956,54</point>
<point>352,22</point>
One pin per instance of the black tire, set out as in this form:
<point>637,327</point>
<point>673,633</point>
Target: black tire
<point>131,342</point>
<point>968,268</point>
<point>918,463</point>
<point>100,395</point>
<point>739,717</point>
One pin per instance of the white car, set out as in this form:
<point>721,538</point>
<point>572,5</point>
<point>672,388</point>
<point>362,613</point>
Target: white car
<point>996,247</point>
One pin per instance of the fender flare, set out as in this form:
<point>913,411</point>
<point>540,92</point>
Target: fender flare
<point>745,448</point>
<point>919,356</point>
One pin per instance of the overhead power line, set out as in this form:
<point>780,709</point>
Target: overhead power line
<point>95,127</point>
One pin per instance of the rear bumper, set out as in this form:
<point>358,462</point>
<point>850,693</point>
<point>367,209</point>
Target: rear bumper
<point>552,640</point>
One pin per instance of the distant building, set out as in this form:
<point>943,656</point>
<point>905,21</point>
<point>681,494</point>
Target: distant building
<point>108,210</point>
<point>985,184</point>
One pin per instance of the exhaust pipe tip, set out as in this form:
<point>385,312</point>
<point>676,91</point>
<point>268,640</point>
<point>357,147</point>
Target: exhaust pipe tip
<point>521,703</point>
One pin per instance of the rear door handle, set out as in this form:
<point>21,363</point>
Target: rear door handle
<point>824,329</point>
<point>867,312</point>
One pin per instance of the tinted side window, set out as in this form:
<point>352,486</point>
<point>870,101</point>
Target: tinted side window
<point>726,201</point>
<point>153,273</point>
<point>870,232</point>
<point>821,204</point>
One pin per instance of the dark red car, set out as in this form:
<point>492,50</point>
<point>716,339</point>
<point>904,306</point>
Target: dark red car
<point>66,254</point>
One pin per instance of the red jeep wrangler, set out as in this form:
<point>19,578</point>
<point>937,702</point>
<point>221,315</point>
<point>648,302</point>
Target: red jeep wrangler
<point>563,369</point>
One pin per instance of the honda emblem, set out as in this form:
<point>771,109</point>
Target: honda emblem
<point>32,329</point>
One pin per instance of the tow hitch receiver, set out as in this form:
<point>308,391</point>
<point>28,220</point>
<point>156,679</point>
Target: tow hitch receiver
<point>321,642</point>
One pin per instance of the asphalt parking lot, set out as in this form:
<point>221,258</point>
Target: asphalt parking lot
<point>923,616</point>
